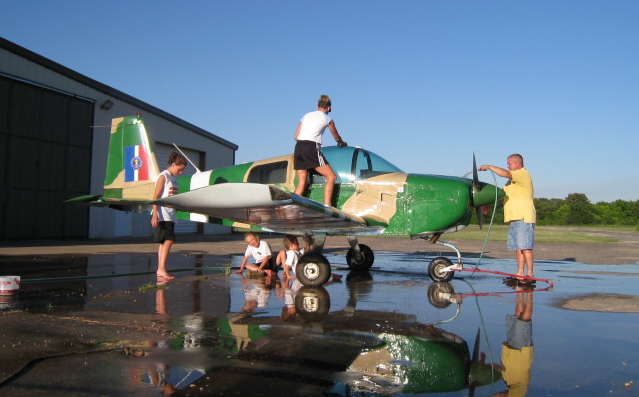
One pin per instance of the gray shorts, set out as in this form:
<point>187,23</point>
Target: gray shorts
<point>521,236</point>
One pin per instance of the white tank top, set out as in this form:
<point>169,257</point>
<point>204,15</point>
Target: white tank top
<point>170,188</point>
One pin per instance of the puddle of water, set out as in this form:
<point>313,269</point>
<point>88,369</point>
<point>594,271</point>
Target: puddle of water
<point>390,331</point>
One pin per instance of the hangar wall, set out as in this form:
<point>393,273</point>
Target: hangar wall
<point>21,66</point>
<point>45,138</point>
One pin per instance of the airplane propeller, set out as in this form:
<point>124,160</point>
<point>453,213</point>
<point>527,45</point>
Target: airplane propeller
<point>476,187</point>
<point>474,359</point>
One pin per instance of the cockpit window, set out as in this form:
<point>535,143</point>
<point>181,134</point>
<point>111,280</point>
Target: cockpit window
<point>367,165</point>
<point>352,164</point>
<point>269,173</point>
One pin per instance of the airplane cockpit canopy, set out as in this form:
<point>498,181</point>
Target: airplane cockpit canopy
<point>352,164</point>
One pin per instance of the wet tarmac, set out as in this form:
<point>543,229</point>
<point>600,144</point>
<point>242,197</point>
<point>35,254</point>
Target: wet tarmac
<point>389,331</point>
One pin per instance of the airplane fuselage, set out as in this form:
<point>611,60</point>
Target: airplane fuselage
<point>368,186</point>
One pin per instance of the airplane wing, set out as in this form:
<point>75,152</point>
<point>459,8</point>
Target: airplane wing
<point>142,207</point>
<point>268,207</point>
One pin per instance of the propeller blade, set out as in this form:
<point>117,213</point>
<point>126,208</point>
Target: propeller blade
<point>479,211</point>
<point>476,186</point>
<point>475,357</point>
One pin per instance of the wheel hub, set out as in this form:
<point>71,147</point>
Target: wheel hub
<point>311,271</point>
<point>310,304</point>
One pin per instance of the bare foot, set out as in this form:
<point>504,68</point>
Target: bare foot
<point>165,275</point>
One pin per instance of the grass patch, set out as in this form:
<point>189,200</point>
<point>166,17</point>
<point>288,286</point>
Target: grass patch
<point>224,273</point>
<point>542,235</point>
<point>149,286</point>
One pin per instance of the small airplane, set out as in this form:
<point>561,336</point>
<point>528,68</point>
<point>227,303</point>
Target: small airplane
<point>371,197</point>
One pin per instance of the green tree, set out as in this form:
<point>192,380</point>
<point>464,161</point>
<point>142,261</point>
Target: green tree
<point>546,211</point>
<point>580,211</point>
<point>605,214</point>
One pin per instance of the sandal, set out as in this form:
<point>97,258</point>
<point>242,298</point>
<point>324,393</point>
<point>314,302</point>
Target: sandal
<point>526,281</point>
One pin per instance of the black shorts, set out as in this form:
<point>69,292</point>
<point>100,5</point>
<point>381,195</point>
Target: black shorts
<point>270,265</point>
<point>308,155</point>
<point>164,232</point>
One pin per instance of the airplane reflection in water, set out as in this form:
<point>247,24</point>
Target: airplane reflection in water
<point>311,351</point>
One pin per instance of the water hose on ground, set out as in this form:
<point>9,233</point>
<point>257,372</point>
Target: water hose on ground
<point>127,351</point>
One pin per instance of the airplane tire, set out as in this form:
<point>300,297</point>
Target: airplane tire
<point>435,269</point>
<point>366,261</point>
<point>435,294</point>
<point>313,269</point>
<point>312,303</point>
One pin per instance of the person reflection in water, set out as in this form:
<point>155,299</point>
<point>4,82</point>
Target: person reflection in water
<point>159,374</point>
<point>518,351</point>
<point>160,299</point>
<point>257,292</point>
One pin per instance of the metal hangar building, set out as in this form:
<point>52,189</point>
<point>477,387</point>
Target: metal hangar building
<point>54,134</point>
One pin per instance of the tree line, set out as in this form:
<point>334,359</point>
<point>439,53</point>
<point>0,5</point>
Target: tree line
<point>577,210</point>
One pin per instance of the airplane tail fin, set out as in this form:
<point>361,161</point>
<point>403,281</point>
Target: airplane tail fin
<point>131,165</point>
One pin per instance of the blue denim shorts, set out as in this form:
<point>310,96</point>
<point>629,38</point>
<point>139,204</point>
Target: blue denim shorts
<point>521,236</point>
<point>518,332</point>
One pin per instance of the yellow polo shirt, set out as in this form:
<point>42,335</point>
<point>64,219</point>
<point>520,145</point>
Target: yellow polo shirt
<point>516,369</point>
<point>519,204</point>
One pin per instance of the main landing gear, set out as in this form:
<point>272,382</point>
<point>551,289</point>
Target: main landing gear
<point>313,268</point>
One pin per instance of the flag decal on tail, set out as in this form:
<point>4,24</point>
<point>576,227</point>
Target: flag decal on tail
<point>136,163</point>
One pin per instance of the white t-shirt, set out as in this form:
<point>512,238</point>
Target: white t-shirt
<point>260,252</point>
<point>289,294</point>
<point>313,126</point>
<point>292,256</point>
<point>259,295</point>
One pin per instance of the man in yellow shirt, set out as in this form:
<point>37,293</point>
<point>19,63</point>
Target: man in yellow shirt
<point>519,212</point>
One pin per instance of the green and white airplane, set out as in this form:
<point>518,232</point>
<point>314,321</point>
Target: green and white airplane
<point>371,197</point>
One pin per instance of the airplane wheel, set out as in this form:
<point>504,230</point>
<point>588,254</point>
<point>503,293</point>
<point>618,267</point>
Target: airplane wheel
<point>312,303</point>
<point>435,269</point>
<point>313,269</point>
<point>366,260</point>
<point>436,292</point>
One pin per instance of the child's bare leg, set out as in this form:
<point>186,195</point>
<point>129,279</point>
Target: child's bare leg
<point>163,254</point>
<point>252,267</point>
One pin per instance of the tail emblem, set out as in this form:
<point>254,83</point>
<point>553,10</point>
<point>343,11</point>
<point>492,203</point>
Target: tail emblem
<point>136,163</point>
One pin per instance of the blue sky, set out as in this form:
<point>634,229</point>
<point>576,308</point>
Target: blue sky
<point>422,83</point>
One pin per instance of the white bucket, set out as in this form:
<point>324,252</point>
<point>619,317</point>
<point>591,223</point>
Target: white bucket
<point>8,302</point>
<point>9,285</point>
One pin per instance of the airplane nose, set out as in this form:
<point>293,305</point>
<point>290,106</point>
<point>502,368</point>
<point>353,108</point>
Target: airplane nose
<point>486,194</point>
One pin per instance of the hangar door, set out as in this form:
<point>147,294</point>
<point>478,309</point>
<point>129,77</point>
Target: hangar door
<point>45,157</point>
<point>162,152</point>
